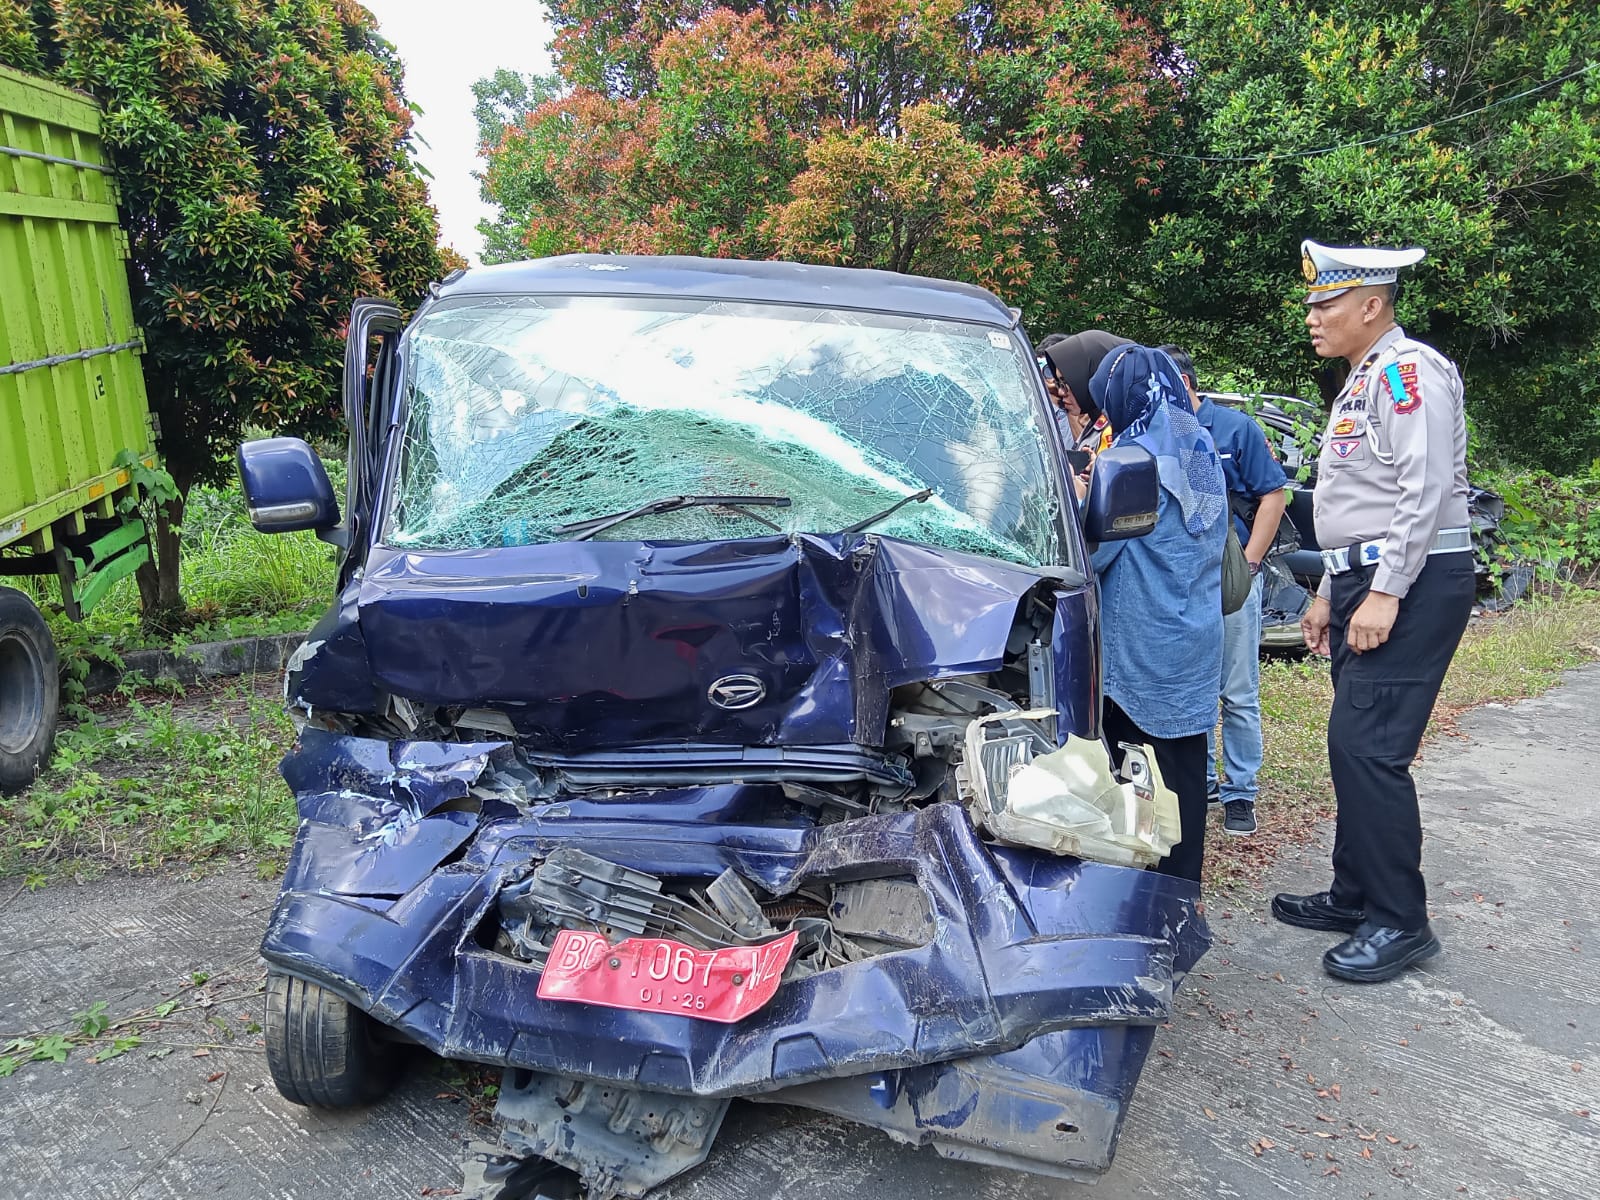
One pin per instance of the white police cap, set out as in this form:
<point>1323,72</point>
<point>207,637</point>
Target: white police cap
<point>1333,270</point>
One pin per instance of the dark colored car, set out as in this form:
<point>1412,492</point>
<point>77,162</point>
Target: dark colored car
<point>1293,567</point>
<point>709,709</point>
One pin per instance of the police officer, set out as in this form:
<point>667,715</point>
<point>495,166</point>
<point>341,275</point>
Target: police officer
<point>1391,508</point>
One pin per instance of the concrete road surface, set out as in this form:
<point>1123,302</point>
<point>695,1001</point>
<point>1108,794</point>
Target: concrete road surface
<point>1478,1077</point>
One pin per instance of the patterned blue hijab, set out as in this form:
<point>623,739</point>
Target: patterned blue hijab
<point>1143,397</point>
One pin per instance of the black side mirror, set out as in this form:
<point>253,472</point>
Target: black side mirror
<point>1124,495</point>
<point>286,487</point>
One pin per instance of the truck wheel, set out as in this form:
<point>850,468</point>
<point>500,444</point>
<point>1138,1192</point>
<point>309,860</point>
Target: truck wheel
<point>322,1051</point>
<point>30,691</point>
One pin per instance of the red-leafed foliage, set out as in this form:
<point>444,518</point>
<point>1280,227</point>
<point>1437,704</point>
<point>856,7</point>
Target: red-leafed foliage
<point>1005,142</point>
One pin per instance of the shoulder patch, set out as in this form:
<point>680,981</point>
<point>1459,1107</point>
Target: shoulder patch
<point>1405,390</point>
<point>1410,348</point>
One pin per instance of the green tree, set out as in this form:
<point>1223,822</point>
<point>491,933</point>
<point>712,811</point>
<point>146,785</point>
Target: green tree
<point>1007,143</point>
<point>1471,127</point>
<point>501,99</point>
<point>500,102</point>
<point>264,160</point>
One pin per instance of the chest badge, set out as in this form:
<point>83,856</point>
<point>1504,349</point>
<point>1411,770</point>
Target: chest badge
<point>1344,427</point>
<point>1345,449</point>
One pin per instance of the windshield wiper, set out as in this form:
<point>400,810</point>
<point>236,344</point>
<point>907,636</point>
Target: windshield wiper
<point>588,528</point>
<point>867,522</point>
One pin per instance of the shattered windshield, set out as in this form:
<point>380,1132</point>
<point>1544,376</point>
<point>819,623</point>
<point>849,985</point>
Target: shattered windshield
<point>527,414</point>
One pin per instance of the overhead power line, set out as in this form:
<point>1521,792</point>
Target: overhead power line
<point>1383,137</point>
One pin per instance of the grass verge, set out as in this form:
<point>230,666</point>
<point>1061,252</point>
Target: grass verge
<point>147,780</point>
<point>236,582</point>
<point>1509,656</point>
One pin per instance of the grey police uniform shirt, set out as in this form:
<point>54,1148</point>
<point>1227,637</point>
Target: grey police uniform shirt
<point>1394,459</point>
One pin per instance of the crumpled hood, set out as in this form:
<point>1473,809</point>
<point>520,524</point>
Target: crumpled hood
<point>590,644</point>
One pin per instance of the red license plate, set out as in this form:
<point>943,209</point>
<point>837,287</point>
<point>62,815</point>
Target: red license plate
<point>656,975</point>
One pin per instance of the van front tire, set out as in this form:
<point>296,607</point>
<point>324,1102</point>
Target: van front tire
<point>323,1051</point>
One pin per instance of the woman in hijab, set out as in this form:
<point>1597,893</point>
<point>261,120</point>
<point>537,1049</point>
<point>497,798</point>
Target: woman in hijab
<point>1161,595</point>
<point>1074,358</point>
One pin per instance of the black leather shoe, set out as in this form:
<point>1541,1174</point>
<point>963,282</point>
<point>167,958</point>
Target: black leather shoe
<point>1317,911</point>
<point>1375,954</point>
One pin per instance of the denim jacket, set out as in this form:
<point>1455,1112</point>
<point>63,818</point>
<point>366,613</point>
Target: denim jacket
<point>1161,624</point>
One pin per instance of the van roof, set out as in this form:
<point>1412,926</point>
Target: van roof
<point>736,280</point>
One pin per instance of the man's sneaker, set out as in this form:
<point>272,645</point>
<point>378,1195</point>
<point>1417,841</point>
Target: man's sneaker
<point>1213,796</point>
<point>1239,818</point>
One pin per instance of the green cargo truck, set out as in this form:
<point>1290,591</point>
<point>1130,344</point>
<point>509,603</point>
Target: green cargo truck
<point>74,420</point>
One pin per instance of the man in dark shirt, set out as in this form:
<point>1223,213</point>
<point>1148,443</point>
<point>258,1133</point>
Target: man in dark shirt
<point>1254,479</point>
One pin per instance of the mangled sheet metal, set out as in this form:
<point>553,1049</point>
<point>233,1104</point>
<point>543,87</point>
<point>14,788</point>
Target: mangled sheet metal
<point>909,843</point>
<point>919,961</point>
<point>656,796</point>
<point>580,647</point>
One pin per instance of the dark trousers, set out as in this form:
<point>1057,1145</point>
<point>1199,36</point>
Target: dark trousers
<point>1183,769</point>
<point>1381,703</point>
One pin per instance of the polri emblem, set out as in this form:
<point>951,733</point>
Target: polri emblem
<point>1344,449</point>
<point>1405,389</point>
<point>1344,427</point>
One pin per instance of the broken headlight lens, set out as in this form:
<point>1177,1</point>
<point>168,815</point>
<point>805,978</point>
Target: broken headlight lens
<point>1067,800</point>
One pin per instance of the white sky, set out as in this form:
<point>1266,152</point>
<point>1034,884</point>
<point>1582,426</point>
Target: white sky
<point>447,47</point>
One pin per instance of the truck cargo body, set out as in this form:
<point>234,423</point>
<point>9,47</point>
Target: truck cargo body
<point>74,420</point>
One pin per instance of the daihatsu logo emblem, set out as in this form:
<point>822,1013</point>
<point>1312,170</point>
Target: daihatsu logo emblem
<point>737,691</point>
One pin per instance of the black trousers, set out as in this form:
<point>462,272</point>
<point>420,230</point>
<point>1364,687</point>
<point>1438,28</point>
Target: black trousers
<point>1183,769</point>
<point>1381,703</point>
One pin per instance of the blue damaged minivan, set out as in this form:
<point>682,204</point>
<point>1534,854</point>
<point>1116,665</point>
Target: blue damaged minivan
<point>708,708</point>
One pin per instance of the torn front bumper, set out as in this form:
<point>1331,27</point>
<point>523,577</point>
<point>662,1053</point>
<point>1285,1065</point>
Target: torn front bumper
<point>1014,1035</point>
